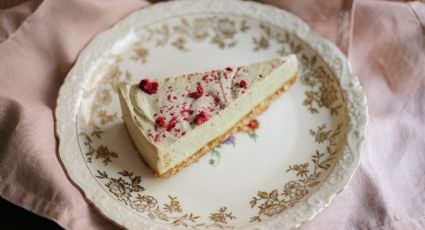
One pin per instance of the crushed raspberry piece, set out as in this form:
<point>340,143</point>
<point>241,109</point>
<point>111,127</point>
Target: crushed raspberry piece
<point>160,121</point>
<point>199,91</point>
<point>229,68</point>
<point>189,111</point>
<point>217,101</point>
<point>157,137</point>
<point>243,84</point>
<point>149,87</point>
<point>171,124</point>
<point>201,118</point>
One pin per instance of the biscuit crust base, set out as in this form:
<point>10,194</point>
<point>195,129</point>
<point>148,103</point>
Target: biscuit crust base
<point>260,108</point>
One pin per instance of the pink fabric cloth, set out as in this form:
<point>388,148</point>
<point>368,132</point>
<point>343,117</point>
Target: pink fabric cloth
<point>385,42</point>
<point>34,60</point>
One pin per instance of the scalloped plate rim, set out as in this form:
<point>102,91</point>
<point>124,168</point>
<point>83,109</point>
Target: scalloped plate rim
<point>356,131</point>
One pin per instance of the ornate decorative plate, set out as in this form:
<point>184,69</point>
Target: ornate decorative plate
<point>280,173</point>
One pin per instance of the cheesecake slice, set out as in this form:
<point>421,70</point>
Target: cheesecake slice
<point>175,120</point>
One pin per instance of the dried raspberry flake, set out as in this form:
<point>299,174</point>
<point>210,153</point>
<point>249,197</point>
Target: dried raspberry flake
<point>189,111</point>
<point>157,137</point>
<point>171,124</point>
<point>150,133</point>
<point>243,84</point>
<point>160,121</point>
<point>201,118</point>
<point>149,87</point>
<point>217,101</point>
<point>199,91</point>
<point>229,69</point>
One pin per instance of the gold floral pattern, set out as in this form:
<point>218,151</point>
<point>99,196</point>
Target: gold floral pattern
<point>307,174</point>
<point>127,189</point>
<point>103,97</point>
<point>140,54</point>
<point>323,86</point>
<point>98,152</point>
<point>217,30</point>
<point>222,216</point>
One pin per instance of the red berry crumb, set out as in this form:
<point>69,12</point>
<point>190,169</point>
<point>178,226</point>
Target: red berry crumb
<point>201,118</point>
<point>216,101</point>
<point>229,68</point>
<point>157,137</point>
<point>243,84</point>
<point>199,91</point>
<point>160,121</point>
<point>149,87</point>
<point>171,124</point>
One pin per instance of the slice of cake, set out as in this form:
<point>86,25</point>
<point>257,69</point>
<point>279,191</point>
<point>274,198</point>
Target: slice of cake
<point>175,120</point>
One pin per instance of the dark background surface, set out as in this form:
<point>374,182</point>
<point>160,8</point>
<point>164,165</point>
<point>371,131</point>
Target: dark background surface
<point>13,217</point>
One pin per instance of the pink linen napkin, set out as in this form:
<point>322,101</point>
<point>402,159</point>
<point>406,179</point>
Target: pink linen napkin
<point>34,59</point>
<point>385,43</point>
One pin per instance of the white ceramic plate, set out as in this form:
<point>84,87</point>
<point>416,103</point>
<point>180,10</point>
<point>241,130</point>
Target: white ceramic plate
<point>279,175</point>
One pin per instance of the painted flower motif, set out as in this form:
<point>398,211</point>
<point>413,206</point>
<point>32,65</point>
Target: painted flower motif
<point>104,96</point>
<point>321,136</point>
<point>230,140</point>
<point>226,27</point>
<point>273,209</point>
<point>200,31</point>
<point>293,190</point>
<point>141,54</point>
<point>117,187</point>
<point>149,201</point>
<point>144,203</point>
<point>328,95</point>
<point>218,217</point>
<point>253,125</point>
<point>139,205</point>
<point>319,73</point>
<point>222,216</point>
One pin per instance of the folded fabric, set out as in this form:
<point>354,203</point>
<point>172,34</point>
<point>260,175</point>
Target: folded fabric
<point>34,59</point>
<point>384,41</point>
